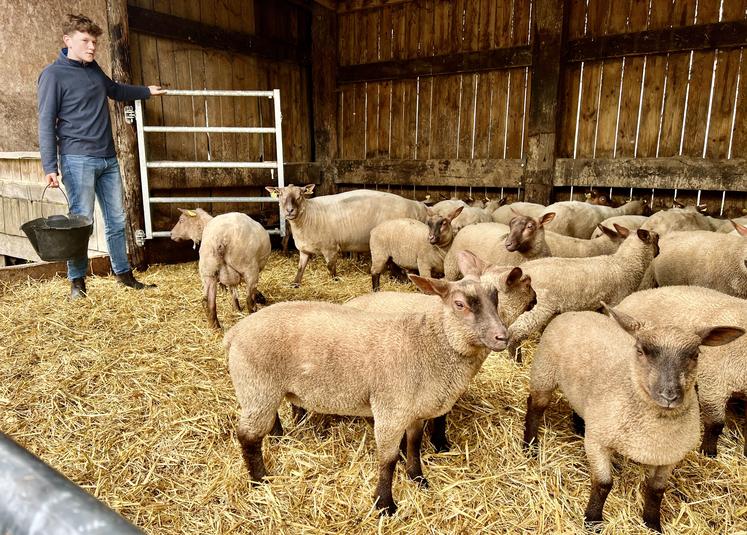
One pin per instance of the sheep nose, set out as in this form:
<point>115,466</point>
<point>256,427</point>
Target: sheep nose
<point>432,238</point>
<point>668,395</point>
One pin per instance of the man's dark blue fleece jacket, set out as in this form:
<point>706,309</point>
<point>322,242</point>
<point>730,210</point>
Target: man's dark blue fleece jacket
<point>73,110</point>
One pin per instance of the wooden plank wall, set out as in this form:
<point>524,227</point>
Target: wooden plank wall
<point>456,116</point>
<point>689,103</point>
<point>181,65</point>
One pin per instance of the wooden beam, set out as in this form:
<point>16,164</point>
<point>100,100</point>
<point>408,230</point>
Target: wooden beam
<point>348,6</point>
<point>323,92</point>
<point>465,62</point>
<point>162,25</point>
<point>476,173</point>
<point>547,41</point>
<point>698,37</point>
<point>98,265</point>
<point>661,173</point>
<point>168,178</point>
<point>124,134</point>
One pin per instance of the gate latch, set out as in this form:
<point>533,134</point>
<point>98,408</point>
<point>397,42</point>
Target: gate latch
<point>140,237</point>
<point>129,113</point>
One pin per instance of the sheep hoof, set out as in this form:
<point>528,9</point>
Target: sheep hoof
<point>295,285</point>
<point>387,509</point>
<point>259,298</point>
<point>594,526</point>
<point>441,447</point>
<point>422,482</point>
<point>708,452</point>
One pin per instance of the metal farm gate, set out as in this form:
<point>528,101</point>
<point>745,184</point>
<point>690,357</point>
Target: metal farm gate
<point>145,165</point>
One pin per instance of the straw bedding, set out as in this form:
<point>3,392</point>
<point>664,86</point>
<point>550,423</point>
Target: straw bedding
<point>127,393</point>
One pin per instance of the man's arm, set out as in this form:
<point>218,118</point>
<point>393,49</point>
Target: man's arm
<point>117,91</point>
<point>49,106</point>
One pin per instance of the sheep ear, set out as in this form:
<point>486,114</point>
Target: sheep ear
<point>502,201</point>
<point>455,213</point>
<point>516,212</point>
<point>274,192</point>
<point>608,231</point>
<point>677,204</point>
<point>308,189</point>
<point>644,235</point>
<point>430,286</point>
<point>718,336</point>
<point>741,229</point>
<point>470,264</point>
<point>546,218</point>
<point>622,231</point>
<point>514,276</point>
<point>628,323</point>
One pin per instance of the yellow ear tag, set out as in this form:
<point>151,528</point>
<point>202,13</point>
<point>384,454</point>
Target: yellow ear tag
<point>190,213</point>
<point>274,194</point>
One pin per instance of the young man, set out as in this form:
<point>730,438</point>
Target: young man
<point>74,119</point>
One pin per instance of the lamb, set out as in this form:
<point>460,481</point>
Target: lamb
<point>515,295</point>
<point>630,222</point>
<point>505,213</point>
<point>329,358</point>
<point>471,216</point>
<point>579,219</point>
<point>566,284</point>
<point>338,223</point>
<point>722,371</point>
<point>447,206</point>
<point>411,244</point>
<point>606,243</point>
<point>633,384</point>
<point>232,247</point>
<point>524,241</point>
<point>703,258</point>
<point>677,219</point>
<point>600,199</point>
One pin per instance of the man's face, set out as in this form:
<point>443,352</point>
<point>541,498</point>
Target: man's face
<point>81,46</point>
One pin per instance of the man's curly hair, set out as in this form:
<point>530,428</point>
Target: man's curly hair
<point>80,23</point>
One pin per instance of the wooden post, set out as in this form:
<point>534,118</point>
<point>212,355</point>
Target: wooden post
<point>124,134</point>
<point>547,46</point>
<point>324,92</point>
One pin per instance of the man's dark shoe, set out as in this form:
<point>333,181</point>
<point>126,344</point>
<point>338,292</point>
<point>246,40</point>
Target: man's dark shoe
<point>128,279</point>
<point>78,288</point>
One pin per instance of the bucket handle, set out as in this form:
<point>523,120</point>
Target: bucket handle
<point>42,200</point>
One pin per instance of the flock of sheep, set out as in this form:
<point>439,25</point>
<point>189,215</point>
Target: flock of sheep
<point>672,286</point>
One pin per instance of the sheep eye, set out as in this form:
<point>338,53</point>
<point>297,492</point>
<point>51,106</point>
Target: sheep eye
<point>459,305</point>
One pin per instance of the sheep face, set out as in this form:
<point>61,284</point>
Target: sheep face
<point>474,305</point>
<point>188,227</point>
<point>291,198</point>
<point>440,232</point>
<point>522,231</point>
<point>664,368</point>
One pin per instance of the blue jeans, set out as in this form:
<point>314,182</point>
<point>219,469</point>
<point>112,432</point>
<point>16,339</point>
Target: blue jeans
<point>87,177</point>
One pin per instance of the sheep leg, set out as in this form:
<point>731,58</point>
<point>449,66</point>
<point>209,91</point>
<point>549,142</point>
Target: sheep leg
<point>579,426</point>
<point>378,264</point>
<point>438,434</point>
<point>387,437</point>
<point>211,287</point>
<point>537,402</point>
<point>330,257</point>
<point>277,427</point>
<point>600,465</point>
<point>744,426</point>
<point>514,351</point>
<point>714,416</point>
<point>299,413</point>
<point>235,298</point>
<point>414,465</point>
<point>285,241</point>
<point>656,482</point>
<point>424,269</point>
<point>303,260</point>
<point>251,277</point>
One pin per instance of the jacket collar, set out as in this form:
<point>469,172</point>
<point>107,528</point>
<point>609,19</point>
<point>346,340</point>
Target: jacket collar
<point>64,60</point>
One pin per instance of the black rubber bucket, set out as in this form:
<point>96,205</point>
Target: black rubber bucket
<point>59,237</point>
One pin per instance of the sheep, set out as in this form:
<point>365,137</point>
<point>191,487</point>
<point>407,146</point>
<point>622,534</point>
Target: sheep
<point>505,213</point>
<point>523,241</point>
<point>722,371</point>
<point>232,247</point>
<point>677,219</point>
<point>633,384</point>
<point>630,222</point>
<point>411,244</point>
<point>703,258</point>
<point>606,243</point>
<point>566,284</point>
<point>515,295</point>
<point>338,223</point>
<point>471,216</point>
<point>329,358</point>
<point>579,219</point>
<point>601,199</point>
<point>447,206</point>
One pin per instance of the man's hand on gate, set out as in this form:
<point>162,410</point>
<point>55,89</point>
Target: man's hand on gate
<point>156,90</point>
